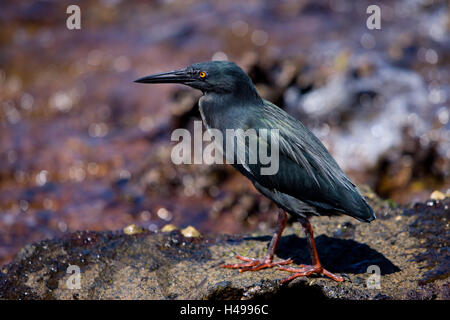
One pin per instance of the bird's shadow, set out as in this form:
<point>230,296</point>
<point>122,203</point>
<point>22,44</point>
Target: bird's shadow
<point>336,255</point>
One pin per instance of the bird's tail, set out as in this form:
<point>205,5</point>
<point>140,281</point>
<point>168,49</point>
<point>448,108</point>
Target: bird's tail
<point>357,207</point>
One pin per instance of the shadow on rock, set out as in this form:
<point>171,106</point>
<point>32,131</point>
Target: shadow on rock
<point>336,255</point>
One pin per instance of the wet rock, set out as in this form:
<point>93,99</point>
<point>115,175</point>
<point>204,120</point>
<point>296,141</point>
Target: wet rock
<point>432,229</point>
<point>411,254</point>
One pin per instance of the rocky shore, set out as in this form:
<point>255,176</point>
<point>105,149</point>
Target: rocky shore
<point>409,246</point>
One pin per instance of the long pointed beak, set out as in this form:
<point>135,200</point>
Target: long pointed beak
<point>177,76</point>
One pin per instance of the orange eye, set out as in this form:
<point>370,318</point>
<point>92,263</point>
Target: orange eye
<point>202,74</point>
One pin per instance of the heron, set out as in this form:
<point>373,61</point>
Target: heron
<point>308,182</point>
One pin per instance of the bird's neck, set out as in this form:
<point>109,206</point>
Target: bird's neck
<point>246,93</point>
<point>219,109</point>
<point>223,102</point>
<point>242,94</point>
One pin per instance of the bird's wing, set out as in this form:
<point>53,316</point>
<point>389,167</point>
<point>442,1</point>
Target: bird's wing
<point>300,145</point>
<point>307,171</point>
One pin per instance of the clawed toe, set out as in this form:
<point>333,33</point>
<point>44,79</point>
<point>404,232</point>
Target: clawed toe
<point>306,270</point>
<point>256,264</point>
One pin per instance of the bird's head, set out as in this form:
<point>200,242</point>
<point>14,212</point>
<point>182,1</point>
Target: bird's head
<point>209,77</point>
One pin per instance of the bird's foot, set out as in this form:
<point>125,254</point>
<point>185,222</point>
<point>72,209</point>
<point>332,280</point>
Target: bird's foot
<point>306,270</point>
<point>256,264</point>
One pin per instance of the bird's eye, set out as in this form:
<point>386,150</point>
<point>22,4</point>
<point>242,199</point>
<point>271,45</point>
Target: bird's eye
<point>202,74</point>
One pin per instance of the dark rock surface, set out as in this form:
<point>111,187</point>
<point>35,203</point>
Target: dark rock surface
<point>409,245</point>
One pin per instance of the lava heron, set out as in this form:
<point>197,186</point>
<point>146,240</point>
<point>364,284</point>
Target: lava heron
<point>308,181</point>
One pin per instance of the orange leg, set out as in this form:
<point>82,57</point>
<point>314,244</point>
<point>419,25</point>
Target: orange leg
<point>316,268</point>
<point>267,262</point>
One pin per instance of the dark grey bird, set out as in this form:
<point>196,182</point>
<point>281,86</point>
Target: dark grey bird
<point>308,181</point>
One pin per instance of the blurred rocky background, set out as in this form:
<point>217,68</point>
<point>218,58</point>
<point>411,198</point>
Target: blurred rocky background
<point>83,147</point>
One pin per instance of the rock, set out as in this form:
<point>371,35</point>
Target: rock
<point>190,232</point>
<point>133,229</point>
<point>168,228</point>
<point>437,195</point>
<point>411,254</point>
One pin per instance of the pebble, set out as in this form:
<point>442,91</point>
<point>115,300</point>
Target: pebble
<point>168,228</point>
<point>437,195</point>
<point>190,232</point>
<point>133,229</point>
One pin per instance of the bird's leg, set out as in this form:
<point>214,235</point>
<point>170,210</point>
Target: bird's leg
<point>316,267</point>
<point>267,262</point>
